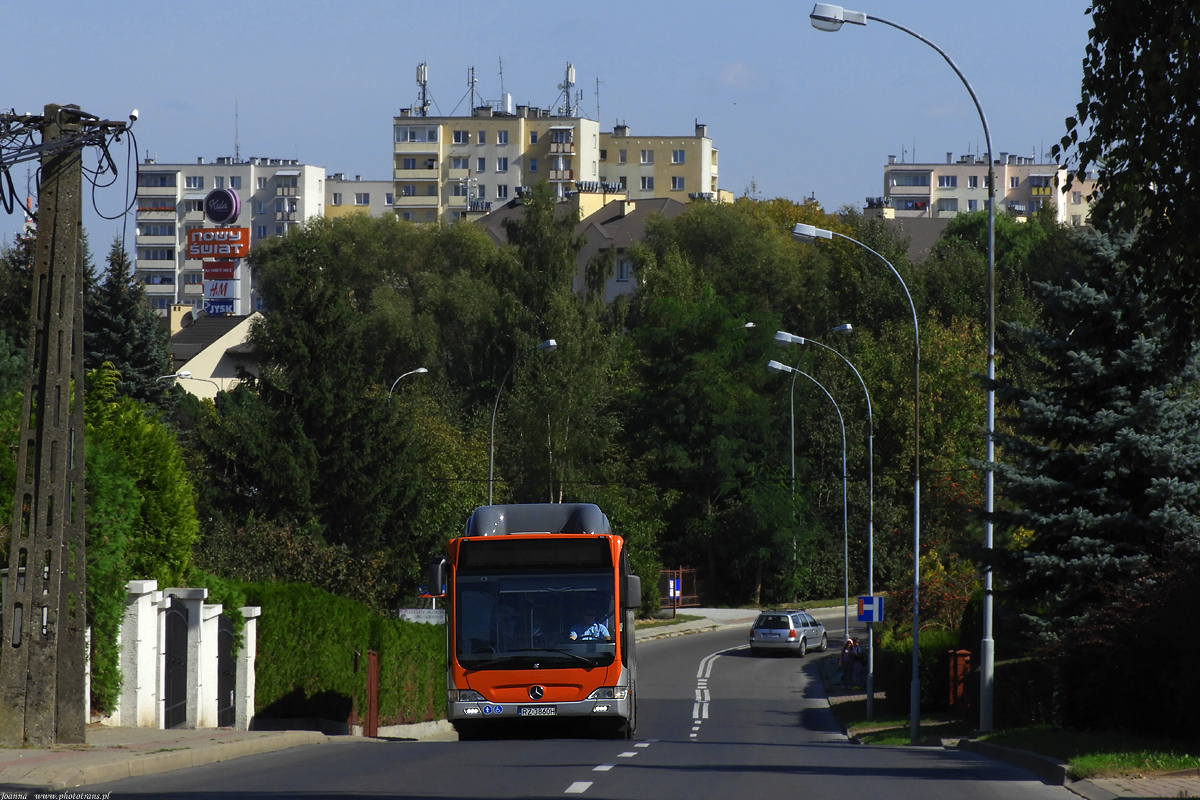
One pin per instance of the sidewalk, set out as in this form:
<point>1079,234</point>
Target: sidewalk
<point>115,753</point>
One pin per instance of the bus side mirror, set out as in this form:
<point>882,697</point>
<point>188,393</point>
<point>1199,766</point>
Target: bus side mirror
<point>631,595</point>
<point>436,573</point>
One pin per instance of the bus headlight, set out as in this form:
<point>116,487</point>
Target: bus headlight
<point>463,696</point>
<point>610,693</point>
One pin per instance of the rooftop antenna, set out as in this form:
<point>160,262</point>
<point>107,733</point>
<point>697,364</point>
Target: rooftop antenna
<point>566,86</point>
<point>598,81</point>
<point>577,111</point>
<point>471,85</point>
<point>501,77</point>
<point>423,82</point>
<point>237,153</point>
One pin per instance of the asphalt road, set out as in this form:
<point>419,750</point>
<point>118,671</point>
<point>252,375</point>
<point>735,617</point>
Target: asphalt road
<point>714,723</point>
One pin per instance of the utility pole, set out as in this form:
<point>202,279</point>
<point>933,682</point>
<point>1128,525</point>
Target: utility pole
<point>42,673</point>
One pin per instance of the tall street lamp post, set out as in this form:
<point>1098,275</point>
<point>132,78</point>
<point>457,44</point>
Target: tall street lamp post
<point>417,371</point>
<point>826,17</point>
<point>784,338</point>
<point>547,345</point>
<point>775,366</point>
<point>810,233</point>
<point>185,375</point>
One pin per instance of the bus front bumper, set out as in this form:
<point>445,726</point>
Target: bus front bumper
<point>584,708</point>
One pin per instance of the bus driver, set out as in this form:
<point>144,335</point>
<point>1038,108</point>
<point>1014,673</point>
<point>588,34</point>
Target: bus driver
<point>590,629</point>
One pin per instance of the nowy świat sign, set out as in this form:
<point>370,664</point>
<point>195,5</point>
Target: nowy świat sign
<point>219,243</point>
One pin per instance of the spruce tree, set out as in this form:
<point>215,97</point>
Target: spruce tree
<point>1101,460</point>
<point>121,329</point>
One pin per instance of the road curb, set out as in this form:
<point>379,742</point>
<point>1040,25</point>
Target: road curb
<point>1051,770</point>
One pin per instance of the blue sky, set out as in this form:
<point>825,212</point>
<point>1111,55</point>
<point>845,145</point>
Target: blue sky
<point>796,111</point>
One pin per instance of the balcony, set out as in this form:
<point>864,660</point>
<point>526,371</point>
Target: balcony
<point>287,191</point>
<point>157,241</point>
<point>416,201</point>
<point>193,290</point>
<point>562,147</point>
<point>158,191</point>
<point>562,175</point>
<point>1041,191</point>
<point>480,206</point>
<point>287,216</point>
<point>146,212</point>
<point>159,289</point>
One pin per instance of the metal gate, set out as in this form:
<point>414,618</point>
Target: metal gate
<point>678,588</point>
<point>226,674</point>
<point>176,665</point>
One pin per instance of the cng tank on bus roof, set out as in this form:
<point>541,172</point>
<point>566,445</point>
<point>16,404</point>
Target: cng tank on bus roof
<point>537,518</point>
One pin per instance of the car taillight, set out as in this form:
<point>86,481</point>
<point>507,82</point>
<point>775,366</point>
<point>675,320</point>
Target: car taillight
<point>792,635</point>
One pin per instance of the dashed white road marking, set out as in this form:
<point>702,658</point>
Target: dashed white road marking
<point>642,744</point>
<point>628,754</point>
<point>578,787</point>
<point>603,767</point>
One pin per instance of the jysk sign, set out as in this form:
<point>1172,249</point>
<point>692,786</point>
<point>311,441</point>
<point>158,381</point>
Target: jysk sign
<point>222,206</point>
<point>219,243</point>
<point>215,307</point>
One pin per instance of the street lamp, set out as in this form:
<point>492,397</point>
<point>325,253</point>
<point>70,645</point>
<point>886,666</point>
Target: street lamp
<point>808,234</point>
<point>826,17</point>
<point>775,366</point>
<point>547,345</point>
<point>417,371</point>
<point>785,338</point>
<point>185,375</point>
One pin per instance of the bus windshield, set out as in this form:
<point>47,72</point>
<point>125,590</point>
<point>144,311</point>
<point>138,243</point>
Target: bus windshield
<point>535,620</point>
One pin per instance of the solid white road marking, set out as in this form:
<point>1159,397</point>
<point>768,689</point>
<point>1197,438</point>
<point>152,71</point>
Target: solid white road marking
<point>578,787</point>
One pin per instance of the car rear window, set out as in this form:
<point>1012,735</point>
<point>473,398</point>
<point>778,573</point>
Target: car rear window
<point>773,621</point>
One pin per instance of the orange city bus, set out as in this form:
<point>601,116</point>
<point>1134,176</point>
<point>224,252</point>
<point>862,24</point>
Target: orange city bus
<point>520,646</point>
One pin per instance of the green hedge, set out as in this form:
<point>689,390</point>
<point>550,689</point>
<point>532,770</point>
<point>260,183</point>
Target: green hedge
<point>312,658</point>
<point>893,668</point>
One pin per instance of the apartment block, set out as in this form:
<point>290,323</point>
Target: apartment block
<point>935,190</point>
<point>682,168</point>
<point>345,195</point>
<point>275,195</point>
<point>449,168</point>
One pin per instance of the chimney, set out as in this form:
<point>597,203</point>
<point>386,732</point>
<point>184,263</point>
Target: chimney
<point>620,130</point>
<point>891,159</point>
<point>701,131</point>
<point>949,156</point>
<point>523,111</point>
<point>200,160</point>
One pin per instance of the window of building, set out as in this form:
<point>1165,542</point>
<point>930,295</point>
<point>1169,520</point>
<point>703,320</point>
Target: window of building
<point>337,199</point>
<point>459,189</point>
<point>502,192</point>
<point>1014,182</point>
<point>193,206</point>
<point>431,216</point>
<point>501,165</point>
<point>407,216</point>
<point>910,179</point>
<point>624,269</point>
<point>408,190</point>
<point>157,229</point>
<point>279,230</point>
<point>972,205</point>
<point>501,137</point>
<point>159,278</point>
<point>387,198</point>
<point>533,137</point>
<point>219,182</point>
<point>408,163</point>
<point>158,204</point>
<point>482,137</point>
<point>362,198</point>
<point>460,162</point>
<point>647,183</point>
<point>621,156</point>
<point>192,278</point>
<point>262,183</point>
<point>676,183</point>
<point>287,181</point>
<point>623,182</point>
<point>151,179</point>
<point>946,205</point>
<point>462,137</point>
<point>408,133</point>
<point>161,303</point>
<point>260,232</point>
<point>647,156</point>
<point>1076,220</point>
<point>677,156</point>
<point>158,254</point>
<point>604,155</point>
<point>972,181</point>
<point>235,181</point>
<point>280,207</point>
<point>194,182</point>
<point>431,189</point>
<point>482,195</point>
<point>260,207</point>
<point>533,165</point>
<point>909,205</point>
<point>1076,197</point>
<point>947,181</point>
<point>481,165</point>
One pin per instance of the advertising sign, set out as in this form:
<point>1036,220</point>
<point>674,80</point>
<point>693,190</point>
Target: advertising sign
<point>221,290</point>
<point>218,243</point>
<point>219,270</point>
<point>216,307</point>
<point>222,206</point>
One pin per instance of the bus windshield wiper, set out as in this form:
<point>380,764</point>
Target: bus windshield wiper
<point>525,652</point>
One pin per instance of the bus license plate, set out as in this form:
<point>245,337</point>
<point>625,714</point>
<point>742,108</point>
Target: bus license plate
<point>537,711</point>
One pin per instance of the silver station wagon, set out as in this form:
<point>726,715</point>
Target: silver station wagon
<point>794,632</point>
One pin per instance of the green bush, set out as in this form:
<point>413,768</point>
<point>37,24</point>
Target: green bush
<point>893,668</point>
<point>312,658</point>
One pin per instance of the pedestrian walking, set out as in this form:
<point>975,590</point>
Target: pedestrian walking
<point>846,662</point>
